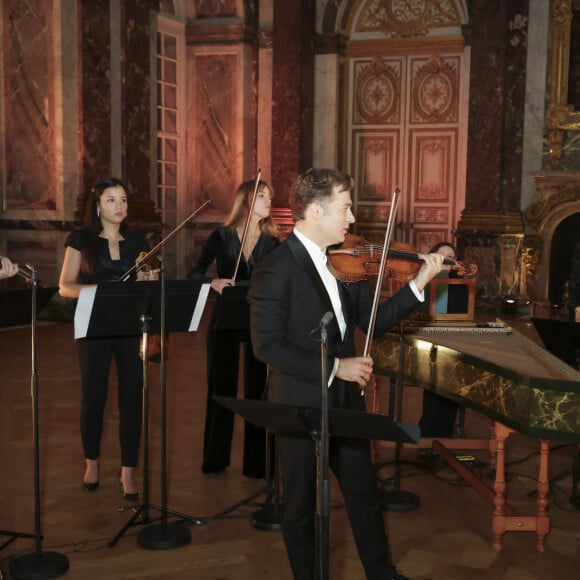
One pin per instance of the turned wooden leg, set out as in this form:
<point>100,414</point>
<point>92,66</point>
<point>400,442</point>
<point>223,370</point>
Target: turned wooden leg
<point>499,517</point>
<point>543,521</point>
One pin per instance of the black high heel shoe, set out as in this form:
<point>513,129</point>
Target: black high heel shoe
<point>127,496</point>
<point>93,486</point>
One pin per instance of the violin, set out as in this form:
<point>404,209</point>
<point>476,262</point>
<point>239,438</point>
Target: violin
<point>357,259</point>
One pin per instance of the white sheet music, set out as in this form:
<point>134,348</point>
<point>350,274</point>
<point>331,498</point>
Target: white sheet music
<point>83,310</point>
<point>199,307</point>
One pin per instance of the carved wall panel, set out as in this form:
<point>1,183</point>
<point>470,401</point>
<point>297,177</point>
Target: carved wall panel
<point>435,90</point>
<point>433,169</point>
<point>426,239</point>
<point>377,160</point>
<point>377,92</point>
<point>216,8</point>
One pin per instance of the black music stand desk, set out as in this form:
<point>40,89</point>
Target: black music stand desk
<point>233,314</point>
<point>15,307</point>
<point>131,300</point>
<point>298,420</point>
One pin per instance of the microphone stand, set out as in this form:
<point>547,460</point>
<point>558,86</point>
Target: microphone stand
<point>322,542</point>
<point>40,564</point>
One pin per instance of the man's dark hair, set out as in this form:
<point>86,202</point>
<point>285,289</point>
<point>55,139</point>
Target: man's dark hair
<point>316,186</point>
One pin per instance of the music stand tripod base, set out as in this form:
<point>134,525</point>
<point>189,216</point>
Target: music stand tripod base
<point>39,566</point>
<point>268,519</point>
<point>164,536</point>
<point>400,501</point>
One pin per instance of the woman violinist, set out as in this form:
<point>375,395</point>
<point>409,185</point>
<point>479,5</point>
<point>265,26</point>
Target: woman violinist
<point>223,347</point>
<point>104,249</point>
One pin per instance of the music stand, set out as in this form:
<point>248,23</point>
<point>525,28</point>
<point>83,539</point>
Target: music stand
<point>15,305</point>
<point>138,311</point>
<point>233,316</point>
<point>39,564</point>
<point>298,420</point>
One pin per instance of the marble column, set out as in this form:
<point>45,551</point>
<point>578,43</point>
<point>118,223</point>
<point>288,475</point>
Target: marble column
<point>137,86</point>
<point>95,94</point>
<point>498,34</point>
<point>292,91</point>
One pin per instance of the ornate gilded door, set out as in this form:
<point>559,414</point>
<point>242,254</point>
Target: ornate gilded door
<point>406,109</point>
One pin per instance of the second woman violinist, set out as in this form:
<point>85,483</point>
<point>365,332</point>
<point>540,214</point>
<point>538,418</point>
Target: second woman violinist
<point>223,347</point>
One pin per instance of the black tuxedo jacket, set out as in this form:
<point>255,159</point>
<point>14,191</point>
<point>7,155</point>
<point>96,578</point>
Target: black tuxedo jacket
<point>287,302</point>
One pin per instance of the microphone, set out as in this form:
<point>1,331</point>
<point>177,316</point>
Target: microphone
<point>326,319</point>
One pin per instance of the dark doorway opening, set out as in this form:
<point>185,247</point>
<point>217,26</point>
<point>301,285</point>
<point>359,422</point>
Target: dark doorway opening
<point>566,235</point>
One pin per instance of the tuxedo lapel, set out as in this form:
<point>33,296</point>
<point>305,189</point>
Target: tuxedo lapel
<point>301,254</point>
<point>346,305</point>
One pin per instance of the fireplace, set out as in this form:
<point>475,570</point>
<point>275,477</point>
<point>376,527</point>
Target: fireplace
<point>552,225</point>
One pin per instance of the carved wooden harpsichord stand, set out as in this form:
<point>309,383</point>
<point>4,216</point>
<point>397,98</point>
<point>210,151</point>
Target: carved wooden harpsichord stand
<point>500,373</point>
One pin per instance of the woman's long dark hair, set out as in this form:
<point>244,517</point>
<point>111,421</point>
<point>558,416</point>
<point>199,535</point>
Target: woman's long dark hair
<point>92,225</point>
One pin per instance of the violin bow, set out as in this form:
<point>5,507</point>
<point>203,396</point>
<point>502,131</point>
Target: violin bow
<point>388,235</point>
<point>139,264</point>
<point>247,224</point>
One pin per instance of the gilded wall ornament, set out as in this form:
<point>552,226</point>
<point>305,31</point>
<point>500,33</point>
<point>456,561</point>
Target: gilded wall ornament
<point>377,94</point>
<point>407,18</point>
<point>435,90</point>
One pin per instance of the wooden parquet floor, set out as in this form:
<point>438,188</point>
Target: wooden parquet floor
<point>448,537</point>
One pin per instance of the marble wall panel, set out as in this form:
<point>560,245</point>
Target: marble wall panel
<point>95,95</point>
<point>292,91</point>
<point>28,137</point>
<point>137,87</point>
<point>486,102</point>
<point>215,125</point>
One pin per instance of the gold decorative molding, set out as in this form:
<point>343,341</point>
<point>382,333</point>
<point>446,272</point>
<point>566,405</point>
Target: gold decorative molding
<point>531,253</point>
<point>561,116</point>
<point>409,18</point>
<point>490,222</point>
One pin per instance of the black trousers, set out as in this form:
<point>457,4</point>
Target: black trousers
<point>95,356</point>
<point>350,460</point>
<point>438,417</point>
<point>223,359</point>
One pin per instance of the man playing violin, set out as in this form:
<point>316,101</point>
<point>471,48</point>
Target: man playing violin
<point>291,290</point>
